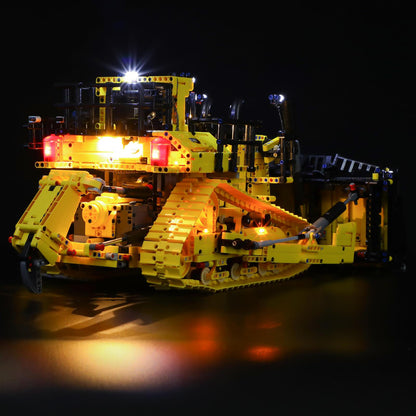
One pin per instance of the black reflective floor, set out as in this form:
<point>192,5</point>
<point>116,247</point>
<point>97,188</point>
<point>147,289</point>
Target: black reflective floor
<point>334,341</point>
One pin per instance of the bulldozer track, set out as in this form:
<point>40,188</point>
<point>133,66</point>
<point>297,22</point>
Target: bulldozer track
<point>286,272</point>
<point>192,208</point>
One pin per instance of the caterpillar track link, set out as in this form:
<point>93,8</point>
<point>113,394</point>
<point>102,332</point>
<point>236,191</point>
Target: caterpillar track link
<point>176,250</point>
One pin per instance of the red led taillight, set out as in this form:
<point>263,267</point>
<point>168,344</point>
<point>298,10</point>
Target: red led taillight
<point>159,151</point>
<point>51,148</point>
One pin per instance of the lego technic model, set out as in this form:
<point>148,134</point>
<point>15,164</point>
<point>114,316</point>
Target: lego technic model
<point>141,179</point>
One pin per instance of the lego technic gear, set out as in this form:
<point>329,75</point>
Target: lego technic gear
<point>141,179</point>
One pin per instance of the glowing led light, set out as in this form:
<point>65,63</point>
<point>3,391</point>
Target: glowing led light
<point>155,154</point>
<point>206,231</point>
<point>159,151</point>
<point>261,231</point>
<point>277,98</point>
<point>110,144</point>
<point>47,150</point>
<point>51,146</point>
<point>132,149</point>
<point>131,76</point>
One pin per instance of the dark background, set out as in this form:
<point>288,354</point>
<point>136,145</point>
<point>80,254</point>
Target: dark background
<point>348,72</point>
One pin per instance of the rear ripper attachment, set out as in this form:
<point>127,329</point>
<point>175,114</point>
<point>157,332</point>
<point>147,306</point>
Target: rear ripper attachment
<point>141,179</point>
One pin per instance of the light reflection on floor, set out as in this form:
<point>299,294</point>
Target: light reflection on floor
<point>110,336</point>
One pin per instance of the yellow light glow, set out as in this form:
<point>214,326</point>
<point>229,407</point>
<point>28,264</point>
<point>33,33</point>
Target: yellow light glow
<point>132,149</point>
<point>110,144</point>
<point>155,154</point>
<point>47,150</point>
<point>114,146</point>
<point>261,231</point>
<point>206,231</point>
<point>120,364</point>
<point>131,77</point>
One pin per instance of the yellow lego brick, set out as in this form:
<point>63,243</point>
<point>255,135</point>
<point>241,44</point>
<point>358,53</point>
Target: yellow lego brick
<point>177,229</point>
<point>171,247</point>
<point>148,269</point>
<point>168,259</point>
<point>147,255</point>
<point>88,261</point>
<point>193,204</point>
<point>54,165</point>
<point>271,143</point>
<point>206,243</point>
<point>267,198</point>
<point>342,251</point>
<point>248,270</point>
<point>345,235</point>
<point>265,179</point>
<point>102,80</point>
<point>255,259</point>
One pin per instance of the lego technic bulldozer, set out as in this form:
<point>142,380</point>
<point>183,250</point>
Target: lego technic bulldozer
<point>141,179</point>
